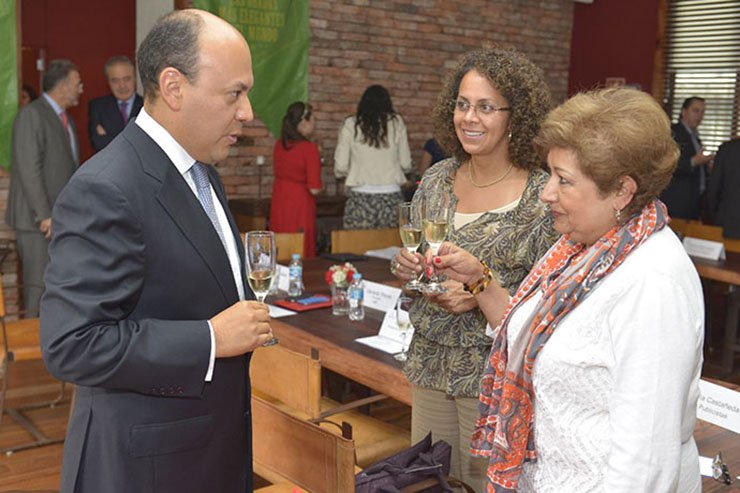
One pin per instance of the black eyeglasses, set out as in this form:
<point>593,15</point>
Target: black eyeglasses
<point>483,109</point>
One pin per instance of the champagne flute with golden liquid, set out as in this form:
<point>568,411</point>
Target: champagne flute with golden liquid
<point>409,226</point>
<point>436,221</point>
<point>261,253</point>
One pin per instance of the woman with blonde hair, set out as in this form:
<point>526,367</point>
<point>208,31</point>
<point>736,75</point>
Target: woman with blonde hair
<point>592,379</point>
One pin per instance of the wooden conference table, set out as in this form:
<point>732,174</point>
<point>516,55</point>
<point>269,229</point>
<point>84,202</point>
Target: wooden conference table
<point>727,271</point>
<point>334,338</point>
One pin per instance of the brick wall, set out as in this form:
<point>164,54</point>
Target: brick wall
<point>406,45</point>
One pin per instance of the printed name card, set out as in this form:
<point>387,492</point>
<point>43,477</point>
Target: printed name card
<point>380,297</point>
<point>390,338</point>
<point>719,406</point>
<point>711,250</point>
<point>282,278</point>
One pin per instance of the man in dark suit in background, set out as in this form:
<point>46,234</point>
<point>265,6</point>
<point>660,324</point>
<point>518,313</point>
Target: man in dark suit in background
<point>723,192</point>
<point>109,114</point>
<point>45,153</point>
<point>147,309</point>
<point>684,195</point>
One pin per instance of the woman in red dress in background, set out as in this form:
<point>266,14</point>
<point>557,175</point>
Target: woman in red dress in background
<point>297,177</point>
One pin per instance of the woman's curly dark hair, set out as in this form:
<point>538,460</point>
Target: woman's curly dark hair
<point>518,80</point>
<point>374,111</point>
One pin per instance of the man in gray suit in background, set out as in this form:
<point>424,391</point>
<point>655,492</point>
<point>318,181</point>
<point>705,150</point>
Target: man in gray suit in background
<point>45,153</point>
<point>147,308</point>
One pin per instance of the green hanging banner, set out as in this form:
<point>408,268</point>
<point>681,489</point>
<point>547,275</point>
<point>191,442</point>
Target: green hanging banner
<point>8,79</point>
<point>277,32</point>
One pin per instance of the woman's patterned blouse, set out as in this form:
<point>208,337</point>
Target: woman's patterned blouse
<point>448,351</point>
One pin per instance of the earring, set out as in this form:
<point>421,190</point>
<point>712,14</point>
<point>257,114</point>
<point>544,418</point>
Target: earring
<point>618,214</point>
<point>509,135</point>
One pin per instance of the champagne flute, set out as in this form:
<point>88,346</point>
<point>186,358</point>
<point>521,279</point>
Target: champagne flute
<point>436,213</point>
<point>403,304</point>
<point>409,222</point>
<point>261,253</point>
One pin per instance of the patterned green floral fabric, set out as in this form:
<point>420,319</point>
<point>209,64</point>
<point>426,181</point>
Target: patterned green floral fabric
<point>448,351</point>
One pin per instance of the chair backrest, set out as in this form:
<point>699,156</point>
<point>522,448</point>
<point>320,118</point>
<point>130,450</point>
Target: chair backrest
<point>288,448</point>
<point>696,229</point>
<point>359,241</point>
<point>287,244</point>
<point>679,226</point>
<point>292,378</point>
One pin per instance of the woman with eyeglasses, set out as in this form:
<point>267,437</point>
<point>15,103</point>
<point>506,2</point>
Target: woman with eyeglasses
<point>373,154</point>
<point>486,116</point>
<point>297,169</point>
<point>593,377</point>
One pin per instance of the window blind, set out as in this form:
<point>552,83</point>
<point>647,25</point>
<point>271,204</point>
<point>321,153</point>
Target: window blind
<point>703,59</point>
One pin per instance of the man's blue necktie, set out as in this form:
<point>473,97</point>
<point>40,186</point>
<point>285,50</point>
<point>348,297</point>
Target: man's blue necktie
<point>200,176</point>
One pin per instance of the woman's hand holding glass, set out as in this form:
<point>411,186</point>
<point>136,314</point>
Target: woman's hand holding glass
<point>459,265</point>
<point>407,265</point>
<point>455,263</point>
<point>455,299</point>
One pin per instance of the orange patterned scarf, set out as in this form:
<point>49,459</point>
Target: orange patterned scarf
<point>566,275</point>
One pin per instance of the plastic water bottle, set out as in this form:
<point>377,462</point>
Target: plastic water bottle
<point>295,286</point>
<point>356,298</point>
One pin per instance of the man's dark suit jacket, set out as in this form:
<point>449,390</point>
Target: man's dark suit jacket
<point>723,192</point>
<point>105,112</point>
<point>682,195</point>
<point>136,270</point>
<point>42,163</point>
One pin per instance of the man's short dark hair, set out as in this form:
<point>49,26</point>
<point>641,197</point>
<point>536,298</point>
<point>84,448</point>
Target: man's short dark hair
<point>57,71</point>
<point>687,102</point>
<point>172,42</point>
<point>115,60</point>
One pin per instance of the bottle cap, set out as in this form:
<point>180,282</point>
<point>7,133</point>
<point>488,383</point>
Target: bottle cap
<point>295,255</point>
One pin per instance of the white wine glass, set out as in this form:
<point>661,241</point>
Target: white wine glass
<point>403,304</point>
<point>409,226</point>
<point>436,221</point>
<point>261,254</point>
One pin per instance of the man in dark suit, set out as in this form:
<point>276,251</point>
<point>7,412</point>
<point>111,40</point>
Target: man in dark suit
<point>683,196</point>
<point>146,309</point>
<point>722,192</point>
<point>109,114</point>
<point>44,155</point>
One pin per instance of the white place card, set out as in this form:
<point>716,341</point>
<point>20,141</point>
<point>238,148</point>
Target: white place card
<point>279,312</point>
<point>282,278</point>
<point>719,406</point>
<point>381,297</point>
<point>384,253</point>
<point>711,250</point>
<point>390,339</point>
<point>705,466</point>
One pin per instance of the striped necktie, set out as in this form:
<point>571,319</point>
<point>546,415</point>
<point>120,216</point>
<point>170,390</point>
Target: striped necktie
<point>199,173</point>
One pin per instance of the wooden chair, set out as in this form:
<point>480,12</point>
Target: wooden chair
<point>20,342</point>
<point>678,226</point>
<point>287,244</point>
<point>696,229</point>
<point>291,452</point>
<point>359,241</point>
<point>292,381</point>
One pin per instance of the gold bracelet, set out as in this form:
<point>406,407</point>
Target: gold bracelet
<point>482,283</point>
